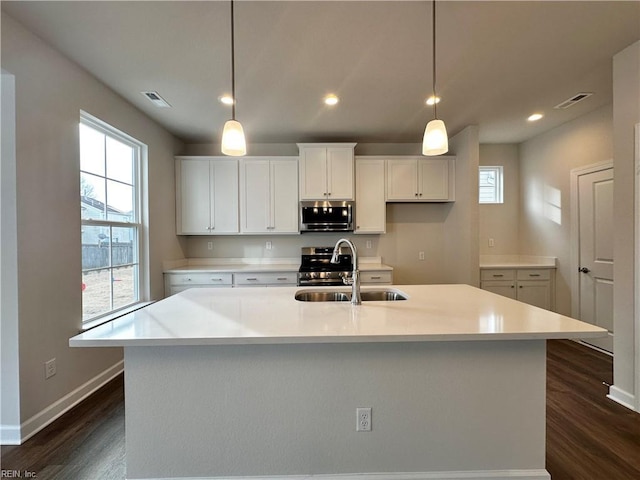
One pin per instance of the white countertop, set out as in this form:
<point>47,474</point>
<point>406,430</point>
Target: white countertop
<point>517,261</point>
<point>243,316</point>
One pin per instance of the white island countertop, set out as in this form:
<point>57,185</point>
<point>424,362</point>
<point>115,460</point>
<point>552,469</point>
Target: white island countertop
<point>245,316</point>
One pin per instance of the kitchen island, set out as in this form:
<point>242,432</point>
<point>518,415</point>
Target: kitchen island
<point>252,383</point>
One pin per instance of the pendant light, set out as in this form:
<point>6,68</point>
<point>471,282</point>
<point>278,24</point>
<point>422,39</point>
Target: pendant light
<point>233,142</point>
<point>435,140</point>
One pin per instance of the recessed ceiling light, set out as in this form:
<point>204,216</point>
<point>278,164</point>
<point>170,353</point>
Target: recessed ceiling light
<point>331,99</point>
<point>432,100</point>
<point>535,117</point>
<point>226,99</point>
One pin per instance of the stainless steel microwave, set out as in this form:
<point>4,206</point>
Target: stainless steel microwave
<point>326,216</point>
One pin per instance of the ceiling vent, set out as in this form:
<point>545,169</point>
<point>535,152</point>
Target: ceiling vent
<point>156,99</point>
<point>570,102</point>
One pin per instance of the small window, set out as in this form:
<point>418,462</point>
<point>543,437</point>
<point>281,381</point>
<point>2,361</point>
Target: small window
<point>112,226</point>
<point>490,184</point>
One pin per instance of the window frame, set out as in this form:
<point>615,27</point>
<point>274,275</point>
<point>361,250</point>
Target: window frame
<point>498,196</point>
<point>139,222</point>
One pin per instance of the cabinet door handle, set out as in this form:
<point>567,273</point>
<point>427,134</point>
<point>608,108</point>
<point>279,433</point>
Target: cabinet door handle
<point>281,278</point>
<point>375,278</point>
<point>416,194</point>
<point>513,286</point>
<point>519,286</point>
<point>420,194</point>
<point>252,279</point>
<point>216,279</point>
<point>534,274</point>
<point>497,275</point>
<point>584,270</point>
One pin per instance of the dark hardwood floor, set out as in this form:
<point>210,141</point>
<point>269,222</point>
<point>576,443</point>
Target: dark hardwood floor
<point>589,437</point>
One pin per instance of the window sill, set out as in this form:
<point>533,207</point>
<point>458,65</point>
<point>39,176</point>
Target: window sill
<point>112,316</point>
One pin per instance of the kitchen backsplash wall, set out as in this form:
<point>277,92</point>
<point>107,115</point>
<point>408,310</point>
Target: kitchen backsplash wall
<point>411,228</point>
<point>282,246</point>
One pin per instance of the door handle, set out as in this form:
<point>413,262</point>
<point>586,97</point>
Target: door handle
<point>584,270</point>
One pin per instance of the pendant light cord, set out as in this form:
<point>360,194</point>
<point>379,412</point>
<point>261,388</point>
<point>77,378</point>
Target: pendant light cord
<point>233,68</point>
<point>433,43</point>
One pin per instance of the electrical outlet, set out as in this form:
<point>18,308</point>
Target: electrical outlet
<point>363,415</point>
<point>209,245</point>
<point>50,368</point>
<point>420,255</point>
<point>368,243</point>
<point>269,245</point>
<point>491,242</point>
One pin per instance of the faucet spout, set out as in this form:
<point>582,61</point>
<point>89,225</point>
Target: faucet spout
<point>355,275</point>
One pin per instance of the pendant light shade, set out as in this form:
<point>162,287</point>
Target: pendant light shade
<point>435,140</point>
<point>233,142</point>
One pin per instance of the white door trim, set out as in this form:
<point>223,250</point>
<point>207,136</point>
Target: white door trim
<point>636,303</point>
<point>575,234</point>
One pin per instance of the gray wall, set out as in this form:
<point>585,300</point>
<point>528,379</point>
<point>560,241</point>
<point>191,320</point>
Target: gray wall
<point>50,92</point>
<point>545,165</point>
<point>626,107</point>
<point>500,221</point>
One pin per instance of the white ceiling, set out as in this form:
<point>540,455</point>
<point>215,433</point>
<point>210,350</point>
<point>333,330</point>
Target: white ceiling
<point>497,63</point>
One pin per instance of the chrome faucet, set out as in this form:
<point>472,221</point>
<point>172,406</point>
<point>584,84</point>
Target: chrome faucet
<point>354,281</point>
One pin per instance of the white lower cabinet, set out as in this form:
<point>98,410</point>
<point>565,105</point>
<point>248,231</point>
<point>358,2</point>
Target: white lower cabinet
<point>535,286</point>
<point>270,279</point>
<point>177,282</point>
<point>380,277</point>
<point>269,195</point>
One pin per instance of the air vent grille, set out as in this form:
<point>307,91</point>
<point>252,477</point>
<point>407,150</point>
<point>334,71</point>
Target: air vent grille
<point>570,102</point>
<point>156,99</point>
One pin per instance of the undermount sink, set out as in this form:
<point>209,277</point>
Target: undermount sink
<point>322,296</point>
<point>381,296</point>
<point>365,295</point>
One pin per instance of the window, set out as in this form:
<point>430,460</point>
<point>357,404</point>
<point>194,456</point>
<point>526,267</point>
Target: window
<point>110,206</point>
<point>490,184</point>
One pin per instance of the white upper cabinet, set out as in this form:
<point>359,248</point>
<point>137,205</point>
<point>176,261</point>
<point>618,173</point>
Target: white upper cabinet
<point>326,171</point>
<point>206,195</point>
<point>421,179</point>
<point>371,208</point>
<point>269,195</point>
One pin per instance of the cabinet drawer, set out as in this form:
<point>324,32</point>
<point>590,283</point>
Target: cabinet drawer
<point>491,274</point>
<point>376,277</point>
<point>534,274</point>
<point>284,278</point>
<point>209,279</point>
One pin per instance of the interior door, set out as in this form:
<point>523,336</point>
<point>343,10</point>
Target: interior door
<point>595,206</point>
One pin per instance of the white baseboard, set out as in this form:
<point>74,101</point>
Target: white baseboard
<point>537,474</point>
<point>9,435</point>
<point>622,397</point>
<point>18,435</point>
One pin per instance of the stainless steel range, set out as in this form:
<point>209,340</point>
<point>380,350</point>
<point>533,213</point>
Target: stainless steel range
<point>316,267</point>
